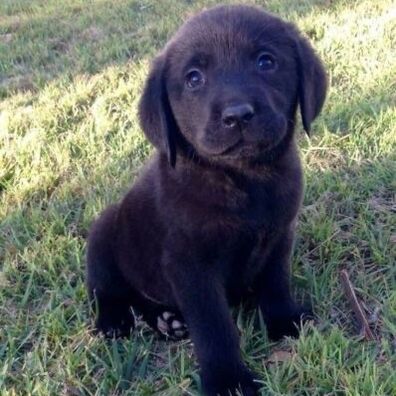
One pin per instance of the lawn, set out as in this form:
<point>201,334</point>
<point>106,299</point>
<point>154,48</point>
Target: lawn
<point>71,73</point>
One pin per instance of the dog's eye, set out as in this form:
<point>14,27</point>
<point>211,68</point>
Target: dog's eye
<point>266,61</point>
<point>194,79</point>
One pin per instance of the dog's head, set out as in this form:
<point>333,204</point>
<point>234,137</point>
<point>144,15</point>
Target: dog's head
<point>228,84</point>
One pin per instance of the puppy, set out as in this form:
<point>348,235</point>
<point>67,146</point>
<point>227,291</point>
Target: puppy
<point>212,216</point>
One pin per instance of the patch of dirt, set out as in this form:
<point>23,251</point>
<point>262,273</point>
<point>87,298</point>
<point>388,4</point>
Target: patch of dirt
<point>280,356</point>
<point>59,45</point>
<point>6,38</point>
<point>93,33</point>
<point>12,23</point>
<point>383,203</point>
<point>18,83</point>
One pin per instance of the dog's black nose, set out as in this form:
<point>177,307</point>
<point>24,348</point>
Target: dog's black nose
<point>237,115</point>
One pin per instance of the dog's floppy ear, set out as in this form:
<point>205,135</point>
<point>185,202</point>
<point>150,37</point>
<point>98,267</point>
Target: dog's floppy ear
<point>155,113</point>
<point>312,83</point>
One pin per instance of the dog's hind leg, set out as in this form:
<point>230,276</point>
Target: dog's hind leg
<point>168,322</point>
<point>109,293</point>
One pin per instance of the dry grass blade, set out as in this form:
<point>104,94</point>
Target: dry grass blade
<point>356,306</point>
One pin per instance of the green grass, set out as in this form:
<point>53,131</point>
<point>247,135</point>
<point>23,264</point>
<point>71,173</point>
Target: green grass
<point>71,74</point>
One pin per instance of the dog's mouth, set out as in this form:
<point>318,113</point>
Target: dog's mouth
<point>241,148</point>
<point>242,143</point>
<point>234,147</point>
<point>246,148</point>
<point>217,149</point>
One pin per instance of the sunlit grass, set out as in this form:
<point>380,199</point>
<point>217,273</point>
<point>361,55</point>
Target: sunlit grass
<point>70,77</point>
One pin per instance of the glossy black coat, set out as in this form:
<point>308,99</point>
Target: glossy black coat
<point>211,218</point>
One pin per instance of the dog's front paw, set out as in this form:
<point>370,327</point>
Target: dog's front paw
<point>116,324</point>
<point>287,322</point>
<point>230,384</point>
<point>172,326</point>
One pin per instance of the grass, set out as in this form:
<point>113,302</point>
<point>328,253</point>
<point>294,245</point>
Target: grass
<point>70,77</point>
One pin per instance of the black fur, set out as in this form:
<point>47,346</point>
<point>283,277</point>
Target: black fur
<point>213,213</point>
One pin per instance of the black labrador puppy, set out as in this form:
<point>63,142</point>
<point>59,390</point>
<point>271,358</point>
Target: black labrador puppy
<point>211,218</point>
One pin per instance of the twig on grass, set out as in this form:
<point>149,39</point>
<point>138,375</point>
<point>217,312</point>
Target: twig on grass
<point>356,306</point>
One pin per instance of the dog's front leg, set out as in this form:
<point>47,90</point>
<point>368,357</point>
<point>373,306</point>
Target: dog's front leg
<point>202,302</point>
<point>281,313</point>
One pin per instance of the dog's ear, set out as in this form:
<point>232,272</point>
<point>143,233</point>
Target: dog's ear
<point>155,113</point>
<point>312,83</point>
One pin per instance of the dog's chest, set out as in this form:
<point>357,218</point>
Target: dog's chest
<point>267,208</point>
<point>245,259</point>
<point>267,212</point>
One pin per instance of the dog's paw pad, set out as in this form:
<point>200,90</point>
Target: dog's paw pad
<point>171,326</point>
